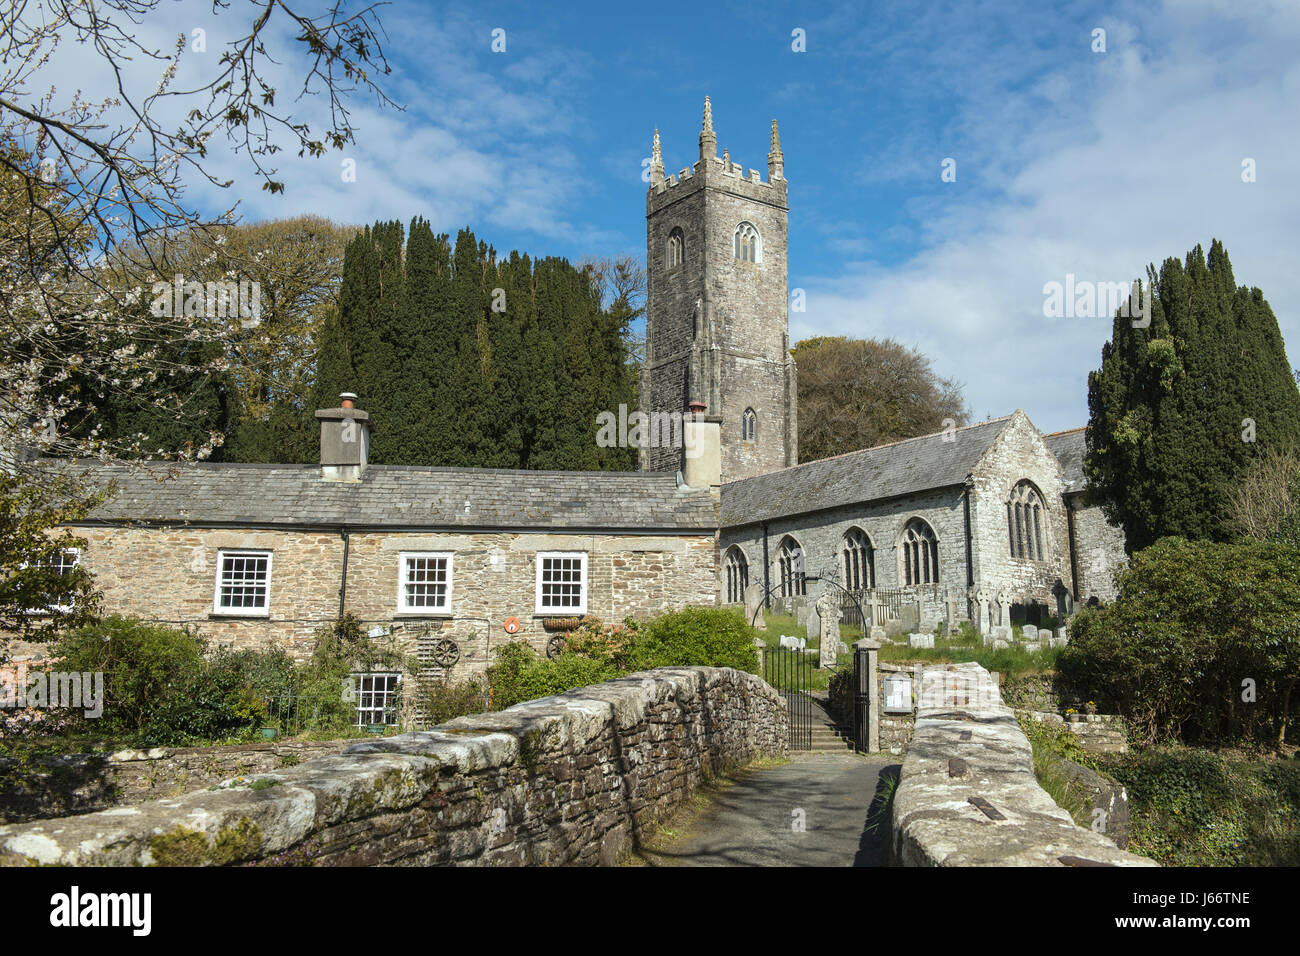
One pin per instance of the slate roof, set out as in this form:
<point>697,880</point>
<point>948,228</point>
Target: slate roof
<point>402,497</point>
<point>1069,448</point>
<point>900,468</point>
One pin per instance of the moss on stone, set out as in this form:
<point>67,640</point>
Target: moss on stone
<point>182,846</point>
<point>240,842</point>
<point>179,846</point>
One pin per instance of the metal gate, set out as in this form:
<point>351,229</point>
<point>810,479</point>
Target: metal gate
<point>790,672</point>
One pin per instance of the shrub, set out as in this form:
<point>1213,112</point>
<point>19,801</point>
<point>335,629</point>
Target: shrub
<point>519,674</point>
<point>713,637</point>
<point>441,701</point>
<point>147,668</point>
<point>1193,622</point>
<point>1200,808</point>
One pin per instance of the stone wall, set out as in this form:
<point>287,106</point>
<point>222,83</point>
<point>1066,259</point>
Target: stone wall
<point>168,575</point>
<point>1100,548</point>
<point>967,795</point>
<point>821,536</point>
<point>83,783</point>
<point>573,779</point>
<point>1017,455</point>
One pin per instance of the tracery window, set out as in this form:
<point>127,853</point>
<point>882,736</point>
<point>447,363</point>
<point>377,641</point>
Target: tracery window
<point>1026,515</point>
<point>920,553</point>
<point>748,247</point>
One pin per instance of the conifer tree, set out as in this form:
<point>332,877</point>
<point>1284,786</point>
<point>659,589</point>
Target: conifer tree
<point>1180,408</point>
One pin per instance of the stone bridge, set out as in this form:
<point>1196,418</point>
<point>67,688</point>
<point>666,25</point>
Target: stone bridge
<point>577,778</point>
<point>968,796</point>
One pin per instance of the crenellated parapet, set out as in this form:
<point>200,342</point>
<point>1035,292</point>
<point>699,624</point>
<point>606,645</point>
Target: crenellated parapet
<point>720,173</point>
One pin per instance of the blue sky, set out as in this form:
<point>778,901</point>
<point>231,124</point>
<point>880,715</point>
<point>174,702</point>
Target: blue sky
<point>1067,160</point>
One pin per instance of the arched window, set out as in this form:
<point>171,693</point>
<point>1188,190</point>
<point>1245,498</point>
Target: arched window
<point>920,553</point>
<point>747,245</point>
<point>676,248</point>
<point>790,568</point>
<point>737,575</point>
<point>1026,516</point>
<point>748,425</point>
<point>859,560</point>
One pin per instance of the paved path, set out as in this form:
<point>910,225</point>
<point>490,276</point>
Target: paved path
<point>752,821</point>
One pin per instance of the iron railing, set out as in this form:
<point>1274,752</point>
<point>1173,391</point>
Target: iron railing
<point>790,672</point>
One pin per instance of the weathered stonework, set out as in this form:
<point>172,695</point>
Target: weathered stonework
<point>968,796</point>
<point>82,783</point>
<point>716,328</point>
<point>573,779</point>
<point>168,574</point>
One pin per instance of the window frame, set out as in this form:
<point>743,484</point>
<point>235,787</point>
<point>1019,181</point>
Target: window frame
<point>584,584</point>
<point>855,542</point>
<point>222,554</point>
<point>911,566</point>
<point>56,608</point>
<point>389,695</point>
<point>792,570</point>
<point>1027,522</point>
<point>736,570</point>
<point>676,248</point>
<point>753,243</point>
<point>402,606</point>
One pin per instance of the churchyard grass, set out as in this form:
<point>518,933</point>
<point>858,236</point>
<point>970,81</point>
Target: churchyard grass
<point>819,677</point>
<point>1012,661</point>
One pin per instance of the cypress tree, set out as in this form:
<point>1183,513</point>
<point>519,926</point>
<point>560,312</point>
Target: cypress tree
<point>1179,409</point>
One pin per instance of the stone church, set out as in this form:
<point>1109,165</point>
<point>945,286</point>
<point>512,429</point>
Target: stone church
<point>980,522</point>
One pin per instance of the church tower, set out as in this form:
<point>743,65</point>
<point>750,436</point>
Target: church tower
<point>716,306</point>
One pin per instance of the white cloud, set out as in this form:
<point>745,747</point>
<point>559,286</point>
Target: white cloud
<point>1147,167</point>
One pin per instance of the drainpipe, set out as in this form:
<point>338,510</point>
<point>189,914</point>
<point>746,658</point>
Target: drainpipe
<point>767,583</point>
<point>343,583</point>
<point>970,567</point>
<point>1074,553</point>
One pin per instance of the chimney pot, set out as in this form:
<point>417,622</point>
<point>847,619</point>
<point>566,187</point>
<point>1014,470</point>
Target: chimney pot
<point>348,399</point>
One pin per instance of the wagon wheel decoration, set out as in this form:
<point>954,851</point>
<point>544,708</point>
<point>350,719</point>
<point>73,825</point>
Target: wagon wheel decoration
<point>555,646</point>
<point>446,652</point>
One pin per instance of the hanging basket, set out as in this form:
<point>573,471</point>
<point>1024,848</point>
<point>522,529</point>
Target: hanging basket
<point>560,623</point>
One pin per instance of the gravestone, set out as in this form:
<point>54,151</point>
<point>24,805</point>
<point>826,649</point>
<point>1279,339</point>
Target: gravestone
<point>1004,607</point>
<point>828,616</point>
<point>920,640</point>
<point>812,624</point>
<point>1030,632</point>
<point>793,643</point>
<point>1063,635</point>
<point>950,611</point>
<point>754,601</point>
<point>981,599</point>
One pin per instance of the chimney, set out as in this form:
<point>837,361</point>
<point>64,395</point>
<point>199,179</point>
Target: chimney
<point>702,437</point>
<point>344,440</point>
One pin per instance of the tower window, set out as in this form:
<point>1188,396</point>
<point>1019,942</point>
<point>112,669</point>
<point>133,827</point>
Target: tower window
<point>748,425</point>
<point>676,248</point>
<point>747,245</point>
